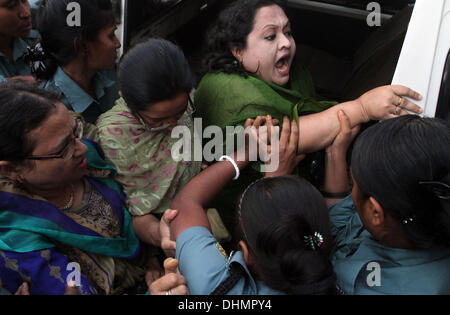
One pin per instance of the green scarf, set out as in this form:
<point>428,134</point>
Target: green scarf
<point>229,100</point>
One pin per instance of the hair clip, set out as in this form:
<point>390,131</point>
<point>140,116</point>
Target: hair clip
<point>439,189</point>
<point>314,241</point>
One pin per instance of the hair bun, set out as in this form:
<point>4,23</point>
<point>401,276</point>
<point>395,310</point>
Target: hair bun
<point>308,272</point>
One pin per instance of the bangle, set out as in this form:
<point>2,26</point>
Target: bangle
<point>236,168</point>
<point>334,195</point>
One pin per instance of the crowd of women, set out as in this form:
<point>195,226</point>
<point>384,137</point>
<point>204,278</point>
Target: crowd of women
<point>87,176</point>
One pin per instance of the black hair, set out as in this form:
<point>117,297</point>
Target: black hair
<point>396,162</point>
<point>231,29</point>
<point>24,107</point>
<point>153,71</point>
<point>277,214</point>
<point>60,42</point>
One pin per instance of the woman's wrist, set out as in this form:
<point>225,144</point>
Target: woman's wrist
<point>335,155</point>
<point>365,117</point>
<point>356,112</point>
<point>232,161</point>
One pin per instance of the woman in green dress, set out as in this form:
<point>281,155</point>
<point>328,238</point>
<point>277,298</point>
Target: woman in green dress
<point>252,72</point>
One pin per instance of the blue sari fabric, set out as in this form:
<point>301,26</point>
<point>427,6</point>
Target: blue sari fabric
<point>34,236</point>
<point>45,270</point>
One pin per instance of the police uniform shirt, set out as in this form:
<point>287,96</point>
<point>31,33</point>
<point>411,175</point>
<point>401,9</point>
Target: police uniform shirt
<point>364,266</point>
<point>20,67</point>
<point>205,265</point>
<point>77,100</point>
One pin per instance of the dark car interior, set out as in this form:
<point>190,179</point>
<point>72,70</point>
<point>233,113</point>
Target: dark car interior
<point>345,56</point>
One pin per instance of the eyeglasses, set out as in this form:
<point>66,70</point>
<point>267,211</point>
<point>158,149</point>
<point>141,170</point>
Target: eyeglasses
<point>190,110</point>
<point>68,151</point>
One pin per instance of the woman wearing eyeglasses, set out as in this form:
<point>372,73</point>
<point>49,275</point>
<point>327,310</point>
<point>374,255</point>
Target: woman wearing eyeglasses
<point>155,81</point>
<point>62,215</point>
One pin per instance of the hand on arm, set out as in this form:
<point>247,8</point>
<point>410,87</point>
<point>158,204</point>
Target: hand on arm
<point>336,176</point>
<point>288,158</point>
<point>171,283</point>
<point>167,244</point>
<point>197,194</point>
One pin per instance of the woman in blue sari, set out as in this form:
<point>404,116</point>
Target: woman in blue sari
<point>63,218</point>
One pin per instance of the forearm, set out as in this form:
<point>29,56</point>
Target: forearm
<point>146,229</point>
<point>198,193</point>
<point>336,176</point>
<point>317,131</point>
<point>205,186</point>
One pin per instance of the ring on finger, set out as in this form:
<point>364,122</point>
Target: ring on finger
<point>400,102</point>
<point>169,292</point>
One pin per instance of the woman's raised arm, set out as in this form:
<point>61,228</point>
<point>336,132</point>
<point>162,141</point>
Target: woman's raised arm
<point>317,131</point>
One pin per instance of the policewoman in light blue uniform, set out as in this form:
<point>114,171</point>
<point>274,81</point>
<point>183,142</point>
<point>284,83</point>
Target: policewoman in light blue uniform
<point>79,62</point>
<point>284,232</point>
<point>206,265</point>
<point>16,36</point>
<point>365,266</point>
<point>393,234</point>
<point>76,99</point>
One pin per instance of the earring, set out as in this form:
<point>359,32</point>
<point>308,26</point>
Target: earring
<point>238,63</point>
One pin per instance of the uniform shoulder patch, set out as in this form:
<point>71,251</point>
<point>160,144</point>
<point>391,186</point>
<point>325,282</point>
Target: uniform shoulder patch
<point>221,250</point>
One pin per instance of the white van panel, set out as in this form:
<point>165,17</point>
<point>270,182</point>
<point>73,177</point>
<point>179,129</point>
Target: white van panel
<point>442,51</point>
<point>418,56</point>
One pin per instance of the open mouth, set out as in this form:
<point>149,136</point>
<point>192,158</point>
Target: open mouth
<point>283,65</point>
